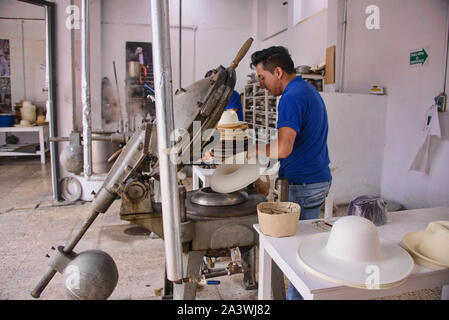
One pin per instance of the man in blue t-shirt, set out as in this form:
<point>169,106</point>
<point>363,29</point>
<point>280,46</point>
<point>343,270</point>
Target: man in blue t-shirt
<point>302,127</point>
<point>235,104</point>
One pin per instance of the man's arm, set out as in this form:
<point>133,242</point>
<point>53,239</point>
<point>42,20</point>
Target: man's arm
<point>278,149</point>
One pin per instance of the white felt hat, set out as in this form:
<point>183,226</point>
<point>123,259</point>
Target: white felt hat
<point>430,247</point>
<point>229,119</point>
<point>352,254</point>
<point>236,173</point>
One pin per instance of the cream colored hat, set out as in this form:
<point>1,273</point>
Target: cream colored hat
<point>430,248</point>
<point>236,173</point>
<point>229,119</point>
<point>352,254</point>
<point>27,104</point>
<point>25,123</point>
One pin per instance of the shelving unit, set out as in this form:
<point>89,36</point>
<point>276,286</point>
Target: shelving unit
<point>43,143</point>
<point>260,111</point>
<point>260,108</point>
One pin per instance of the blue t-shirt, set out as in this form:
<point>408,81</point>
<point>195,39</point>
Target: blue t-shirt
<point>302,109</point>
<point>236,103</point>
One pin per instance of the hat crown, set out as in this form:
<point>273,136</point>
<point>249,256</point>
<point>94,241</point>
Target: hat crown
<point>228,117</point>
<point>435,241</point>
<point>27,104</point>
<point>354,238</point>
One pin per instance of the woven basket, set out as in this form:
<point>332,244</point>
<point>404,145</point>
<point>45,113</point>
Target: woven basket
<point>278,219</point>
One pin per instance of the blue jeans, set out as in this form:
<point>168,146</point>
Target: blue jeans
<point>310,197</point>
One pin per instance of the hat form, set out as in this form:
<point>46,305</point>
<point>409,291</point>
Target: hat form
<point>229,119</point>
<point>430,248</point>
<point>352,254</point>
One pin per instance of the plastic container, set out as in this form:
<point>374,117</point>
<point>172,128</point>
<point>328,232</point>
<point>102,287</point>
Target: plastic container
<point>278,219</point>
<point>372,208</point>
<point>6,120</point>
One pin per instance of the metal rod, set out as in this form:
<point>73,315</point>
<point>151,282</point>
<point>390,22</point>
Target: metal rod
<point>165,125</point>
<point>36,293</point>
<point>343,47</point>
<point>121,129</point>
<point>85,89</point>
<point>23,62</point>
<point>50,106</point>
<point>22,18</point>
<point>446,52</point>
<point>74,241</point>
<point>72,56</point>
<point>180,43</point>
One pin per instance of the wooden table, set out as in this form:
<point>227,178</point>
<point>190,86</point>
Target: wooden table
<point>283,252</point>
<point>43,137</point>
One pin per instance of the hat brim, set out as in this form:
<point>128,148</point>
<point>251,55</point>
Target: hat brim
<point>411,241</point>
<point>392,269</point>
<point>24,125</point>
<point>231,124</point>
<point>228,178</point>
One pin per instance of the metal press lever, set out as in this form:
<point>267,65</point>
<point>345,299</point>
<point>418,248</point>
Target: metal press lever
<point>242,52</point>
<point>129,160</point>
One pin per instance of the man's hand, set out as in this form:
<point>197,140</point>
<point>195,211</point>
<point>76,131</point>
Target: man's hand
<point>263,187</point>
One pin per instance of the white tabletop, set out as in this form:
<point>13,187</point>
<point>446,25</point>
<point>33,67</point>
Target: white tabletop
<point>22,129</point>
<point>283,250</point>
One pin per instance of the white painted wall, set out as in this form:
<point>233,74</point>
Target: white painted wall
<point>356,142</point>
<point>223,27</point>
<point>306,41</point>
<point>209,37</point>
<point>382,57</point>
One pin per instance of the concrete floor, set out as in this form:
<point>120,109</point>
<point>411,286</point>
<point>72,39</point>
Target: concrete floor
<point>30,224</point>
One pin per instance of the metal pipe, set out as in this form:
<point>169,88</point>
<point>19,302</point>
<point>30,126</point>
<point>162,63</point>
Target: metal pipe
<point>85,89</point>
<point>165,126</point>
<point>72,57</point>
<point>50,105</point>
<point>343,46</point>
<point>23,62</point>
<point>115,137</point>
<point>180,42</point>
<point>446,52</point>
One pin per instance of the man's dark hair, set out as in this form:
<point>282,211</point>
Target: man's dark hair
<point>272,58</point>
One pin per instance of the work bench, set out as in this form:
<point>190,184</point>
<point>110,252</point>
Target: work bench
<point>282,251</point>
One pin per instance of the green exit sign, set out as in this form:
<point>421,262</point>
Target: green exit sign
<point>418,57</point>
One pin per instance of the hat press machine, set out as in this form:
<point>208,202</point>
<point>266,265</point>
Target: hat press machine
<point>207,229</point>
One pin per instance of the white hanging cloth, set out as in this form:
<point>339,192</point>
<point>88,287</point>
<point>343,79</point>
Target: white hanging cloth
<point>431,128</point>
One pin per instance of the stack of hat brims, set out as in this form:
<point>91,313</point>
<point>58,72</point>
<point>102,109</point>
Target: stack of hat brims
<point>233,137</point>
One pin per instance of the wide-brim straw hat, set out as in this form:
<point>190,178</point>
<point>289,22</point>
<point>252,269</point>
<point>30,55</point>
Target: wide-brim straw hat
<point>352,254</point>
<point>430,247</point>
<point>236,173</point>
<point>229,119</point>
